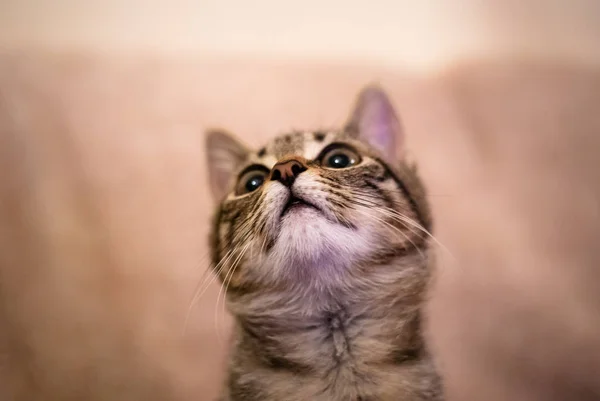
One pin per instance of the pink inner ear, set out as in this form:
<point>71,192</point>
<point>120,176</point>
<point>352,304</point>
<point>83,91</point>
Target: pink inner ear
<point>377,122</point>
<point>379,127</point>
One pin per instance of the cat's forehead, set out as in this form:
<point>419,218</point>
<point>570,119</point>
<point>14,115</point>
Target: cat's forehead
<point>307,144</point>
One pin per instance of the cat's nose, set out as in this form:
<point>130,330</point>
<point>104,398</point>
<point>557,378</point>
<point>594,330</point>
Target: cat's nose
<point>286,171</point>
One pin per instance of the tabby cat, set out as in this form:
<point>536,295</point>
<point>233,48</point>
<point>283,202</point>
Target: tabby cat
<point>321,240</point>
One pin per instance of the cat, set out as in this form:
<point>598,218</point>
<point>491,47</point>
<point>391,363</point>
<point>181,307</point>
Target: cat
<point>322,243</point>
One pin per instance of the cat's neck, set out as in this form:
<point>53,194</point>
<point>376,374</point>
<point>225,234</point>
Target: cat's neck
<point>365,290</point>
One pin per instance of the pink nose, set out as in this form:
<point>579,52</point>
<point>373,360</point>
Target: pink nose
<point>286,171</point>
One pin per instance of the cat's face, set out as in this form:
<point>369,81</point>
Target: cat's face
<point>311,206</point>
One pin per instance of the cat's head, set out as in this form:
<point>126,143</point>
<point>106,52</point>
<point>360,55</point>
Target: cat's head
<point>311,207</point>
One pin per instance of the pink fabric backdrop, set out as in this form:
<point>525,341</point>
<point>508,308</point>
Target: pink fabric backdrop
<point>104,211</point>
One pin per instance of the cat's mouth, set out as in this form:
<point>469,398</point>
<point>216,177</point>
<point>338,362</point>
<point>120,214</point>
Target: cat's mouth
<point>295,203</point>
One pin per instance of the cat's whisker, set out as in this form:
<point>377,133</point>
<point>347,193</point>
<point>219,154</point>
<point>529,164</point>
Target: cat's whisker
<point>203,260</point>
<point>392,213</point>
<point>225,284</point>
<point>371,204</point>
<point>204,286</point>
<point>395,214</point>
<point>367,201</point>
<point>208,281</point>
<point>264,244</point>
<point>231,277</point>
<point>371,199</point>
<point>206,275</point>
<point>393,228</point>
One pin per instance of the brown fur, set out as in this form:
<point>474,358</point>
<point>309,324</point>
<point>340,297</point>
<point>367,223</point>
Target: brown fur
<point>352,335</point>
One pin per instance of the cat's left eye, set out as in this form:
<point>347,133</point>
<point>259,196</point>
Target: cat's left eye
<point>251,181</point>
<point>339,157</point>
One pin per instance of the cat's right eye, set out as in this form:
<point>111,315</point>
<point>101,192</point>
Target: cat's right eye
<point>338,156</point>
<point>251,180</point>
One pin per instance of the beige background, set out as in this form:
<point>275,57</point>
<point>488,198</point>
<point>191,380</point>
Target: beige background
<point>419,35</point>
<point>104,202</point>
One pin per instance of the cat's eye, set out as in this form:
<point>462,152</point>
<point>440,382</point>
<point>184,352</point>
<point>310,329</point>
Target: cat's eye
<point>250,180</point>
<point>339,156</point>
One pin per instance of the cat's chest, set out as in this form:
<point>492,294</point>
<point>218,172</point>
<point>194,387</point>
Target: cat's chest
<point>346,341</point>
<point>339,357</point>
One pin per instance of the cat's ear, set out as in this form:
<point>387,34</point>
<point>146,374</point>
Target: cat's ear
<point>375,122</point>
<point>224,155</point>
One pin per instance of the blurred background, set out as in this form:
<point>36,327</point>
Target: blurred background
<point>104,205</point>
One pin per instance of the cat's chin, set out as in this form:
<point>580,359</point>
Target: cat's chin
<point>309,240</point>
<point>300,214</point>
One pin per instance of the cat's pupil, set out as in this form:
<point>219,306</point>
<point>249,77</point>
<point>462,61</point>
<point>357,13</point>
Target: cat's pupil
<point>254,182</point>
<point>339,160</point>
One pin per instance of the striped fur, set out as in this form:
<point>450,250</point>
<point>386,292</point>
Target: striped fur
<point>327,301</point>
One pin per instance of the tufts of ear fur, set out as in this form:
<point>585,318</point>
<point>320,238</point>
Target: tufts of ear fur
<point>374,121</point>
<point>224,154</point>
